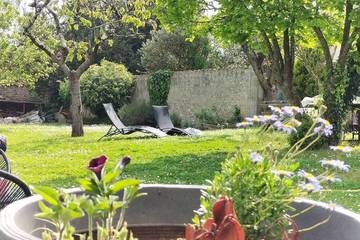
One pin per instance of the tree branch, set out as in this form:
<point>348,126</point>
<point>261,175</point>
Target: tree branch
<point>267,43</point>
<point>346,33</point>
<point>277,51</point>
<point>325,46</point>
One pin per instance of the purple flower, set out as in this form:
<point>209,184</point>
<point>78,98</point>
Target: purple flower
<point>344,149</point>
<point>330,179</point>
<point>244,124</point>
<point>274,109</point>
<point>256,157</point>
<point>337,164</point>
<point>287,128</point>
<point>311,186</point>
<point>282,173</point>
<point>287,111</point>
<point>323,128</point>
<point>308,176</point>
<point>268,118</point>
<point>97,164</point>
<point>125,161</point>
<point>291,111</point>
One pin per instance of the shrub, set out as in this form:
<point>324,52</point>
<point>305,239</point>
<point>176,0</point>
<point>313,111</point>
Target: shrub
<point>137,114</point>
<point>260,197</point>
<point>176,120</point>
<point>209,116</point>
<point>159,86</point>
<point>236,117</point>
<point>171,51</point>
<point>109,82</point>
<point>64,94</point>
<point>306,122</point>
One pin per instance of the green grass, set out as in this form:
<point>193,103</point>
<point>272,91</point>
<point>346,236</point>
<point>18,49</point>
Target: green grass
<point>46,155</point>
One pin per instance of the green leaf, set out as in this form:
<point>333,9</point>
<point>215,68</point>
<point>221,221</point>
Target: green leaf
<point>50,195</point>
<point>120,185</point>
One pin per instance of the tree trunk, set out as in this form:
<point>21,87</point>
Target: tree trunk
<point>76,105</point>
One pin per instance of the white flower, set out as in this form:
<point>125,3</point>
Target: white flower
<point>281,173</point>
<point>324,127</point>
<point>311,186</point>
<point>337,164</point>
<point>244,124</point>
<point>330,179</point>
<point>344,149</point>
<point>256,157</point>
<point>308,176</point>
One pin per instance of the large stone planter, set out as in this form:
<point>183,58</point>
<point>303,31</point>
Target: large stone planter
<point>173,205</point>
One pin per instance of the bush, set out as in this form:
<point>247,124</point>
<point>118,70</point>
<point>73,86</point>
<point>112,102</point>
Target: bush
<point>236,117</point>
<point>260,197</point>
<point>64,94</point>
<point>137,114</point>
<point>176,120</point>
<point>159,86</point>
<point>306,122</point>
<point>171,51</point>
<point>209,116</point>
<point>109,82</point>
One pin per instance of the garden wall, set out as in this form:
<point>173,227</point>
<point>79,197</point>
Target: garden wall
<point>192,91</point>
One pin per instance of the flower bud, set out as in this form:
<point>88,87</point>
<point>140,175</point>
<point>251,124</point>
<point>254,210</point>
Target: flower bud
<point>125,161</point>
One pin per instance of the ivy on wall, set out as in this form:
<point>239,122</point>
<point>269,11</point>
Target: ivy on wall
<point>159,86</point>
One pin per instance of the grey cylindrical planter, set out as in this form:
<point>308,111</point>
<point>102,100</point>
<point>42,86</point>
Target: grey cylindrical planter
<point>174,205</point>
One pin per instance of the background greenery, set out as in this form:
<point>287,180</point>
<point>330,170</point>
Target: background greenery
<point>46,155</point>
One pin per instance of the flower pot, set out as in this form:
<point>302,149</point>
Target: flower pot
<point>165,210</point>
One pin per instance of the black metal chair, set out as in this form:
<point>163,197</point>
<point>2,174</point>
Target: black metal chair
<point>4,162</point>
<point>119,128</point>
<point>163,120</point>
<point>11,189</point>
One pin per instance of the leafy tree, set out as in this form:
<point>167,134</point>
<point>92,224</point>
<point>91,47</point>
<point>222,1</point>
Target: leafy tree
<point>173,51</point>
<point>107,82</point>
<point>267,31</point>
<point>270,31</point>
<point>336,22</point>
<point>308,73</point>
<point>78,30</point>
<point>20,62</point>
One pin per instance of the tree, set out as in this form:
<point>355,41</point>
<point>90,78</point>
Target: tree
<point>336,22</point>
<point>20,62</point>
<point>267,31</point>
<point>166,50</point>
<point>78,30</point>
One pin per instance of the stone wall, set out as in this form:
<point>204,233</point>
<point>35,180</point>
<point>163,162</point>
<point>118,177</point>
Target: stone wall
<point>192,91</point>
<point>15,94</point>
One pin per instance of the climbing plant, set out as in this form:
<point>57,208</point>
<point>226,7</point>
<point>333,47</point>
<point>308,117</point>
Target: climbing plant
<point>159,86</point>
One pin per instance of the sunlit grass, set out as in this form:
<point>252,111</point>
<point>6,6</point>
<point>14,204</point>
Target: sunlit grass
<point>46,155</point>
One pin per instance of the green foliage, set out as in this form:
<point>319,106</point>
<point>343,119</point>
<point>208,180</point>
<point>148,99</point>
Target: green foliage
<point>308,73</point>
<point>172,51</point>
<point>64,94</point>
<point>154,160</point>
<point>306,123</point>
<point>334,96</point>
<point>209,117</point>
<point>176,120</point>
<point>159,86</point>
<point>261,199</point>
<point>100,203</point>
<point>107,83</point>
<point>236,117</point>
<point>137,114</point>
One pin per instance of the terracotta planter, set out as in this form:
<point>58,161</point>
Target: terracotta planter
<point>166,208</point>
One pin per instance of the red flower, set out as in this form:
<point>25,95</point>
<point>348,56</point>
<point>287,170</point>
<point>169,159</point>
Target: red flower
<point>224,225</point>
<point>96,165</point>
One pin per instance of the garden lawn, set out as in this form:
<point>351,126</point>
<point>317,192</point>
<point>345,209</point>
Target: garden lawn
<point>46,155</point>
